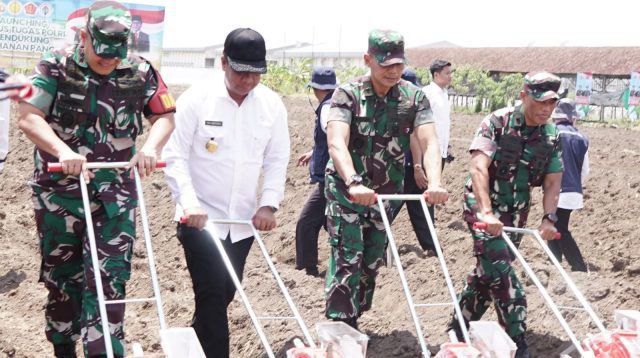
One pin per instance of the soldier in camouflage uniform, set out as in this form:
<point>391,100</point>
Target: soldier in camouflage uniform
<point>515,149</point>
<point>87,107</point>
<point>370,122</point>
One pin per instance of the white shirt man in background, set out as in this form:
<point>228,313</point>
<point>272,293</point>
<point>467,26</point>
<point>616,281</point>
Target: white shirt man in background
<point>436,92</point>
<point>226,133</point>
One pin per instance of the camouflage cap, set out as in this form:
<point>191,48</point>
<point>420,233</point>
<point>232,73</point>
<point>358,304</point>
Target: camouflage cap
<point>387,47</point>
<point>109,24</point>
<point>542,85</point>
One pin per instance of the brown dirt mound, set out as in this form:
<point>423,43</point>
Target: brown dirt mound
<point>604,229</point>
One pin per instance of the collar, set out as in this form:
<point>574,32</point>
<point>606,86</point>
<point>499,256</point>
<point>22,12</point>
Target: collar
<point>516,119</point>
<point>367,90</point>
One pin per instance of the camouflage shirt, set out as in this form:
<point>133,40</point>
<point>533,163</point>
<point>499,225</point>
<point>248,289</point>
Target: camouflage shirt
<point>379,135</point>
<point>521,156</point>
<point>96,116</point>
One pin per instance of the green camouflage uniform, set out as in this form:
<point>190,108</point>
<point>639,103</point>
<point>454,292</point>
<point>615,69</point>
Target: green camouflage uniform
<point>521,155</point>
<point>100,118</point>
<point>379,136</point>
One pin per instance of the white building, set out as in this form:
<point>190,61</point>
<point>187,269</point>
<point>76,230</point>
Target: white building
<point>191,64</point>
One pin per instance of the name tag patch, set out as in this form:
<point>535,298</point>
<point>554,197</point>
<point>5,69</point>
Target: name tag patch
<point>213,123</point>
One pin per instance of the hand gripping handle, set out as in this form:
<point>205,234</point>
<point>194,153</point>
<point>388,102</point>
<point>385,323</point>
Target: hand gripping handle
<point>482,226</point>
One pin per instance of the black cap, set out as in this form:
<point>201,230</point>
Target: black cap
<point>410,75</point>
<point>323,78</point>
<point>438,65</point>
<point>245,50</point>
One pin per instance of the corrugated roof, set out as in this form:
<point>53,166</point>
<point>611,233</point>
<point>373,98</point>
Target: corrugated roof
<point>612,61</point>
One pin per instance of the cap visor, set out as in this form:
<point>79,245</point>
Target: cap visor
<point>323,86</point>
<point>546,96</point>
<point>248,66</point>
<point>392,61</point>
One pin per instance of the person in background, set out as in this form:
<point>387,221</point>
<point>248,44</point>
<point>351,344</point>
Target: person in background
<point>575,157</point>
<point>87,106</point>
<point>312,219</point>
<point>139,40</point>
<point>228,132</point>
<point>438,96</point>
<point>370,123</point>
<point>415,182</point>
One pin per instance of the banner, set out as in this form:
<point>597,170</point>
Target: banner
<point>584,84</point>
<point>634,96</point>
<point>28,28</point>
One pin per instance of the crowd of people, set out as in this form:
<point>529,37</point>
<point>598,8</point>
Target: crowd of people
<point>382,133</point>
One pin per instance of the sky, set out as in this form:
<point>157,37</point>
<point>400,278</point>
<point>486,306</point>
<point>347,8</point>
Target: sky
<point>344,24</point>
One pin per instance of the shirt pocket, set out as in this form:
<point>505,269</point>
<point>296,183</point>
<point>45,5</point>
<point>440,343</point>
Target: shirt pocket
<point>206,133</point>
<point>66,122</point>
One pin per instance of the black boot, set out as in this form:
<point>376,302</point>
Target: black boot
<point>523,348</point>
<point>66,350</point>
<point>455,326</point>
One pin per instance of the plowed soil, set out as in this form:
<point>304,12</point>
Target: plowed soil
<point>606,230</point>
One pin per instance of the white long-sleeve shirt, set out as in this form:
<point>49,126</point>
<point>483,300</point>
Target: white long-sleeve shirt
<point>251,137</point>
<point>439,101</point>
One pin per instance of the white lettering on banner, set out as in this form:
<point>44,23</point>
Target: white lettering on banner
<point>28,35</point>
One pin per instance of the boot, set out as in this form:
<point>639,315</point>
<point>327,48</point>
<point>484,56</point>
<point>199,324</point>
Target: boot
<point>65,350</point>
<point>455,326</point>
<point>523,348</point>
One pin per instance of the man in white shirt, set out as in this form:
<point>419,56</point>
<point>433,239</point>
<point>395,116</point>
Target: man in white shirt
<point>227,133</point>
<point>436,92</point>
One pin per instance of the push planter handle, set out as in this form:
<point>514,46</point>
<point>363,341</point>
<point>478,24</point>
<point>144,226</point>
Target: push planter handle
<point>483,226</point>
<point>57,167</point>
<point>400,196</point>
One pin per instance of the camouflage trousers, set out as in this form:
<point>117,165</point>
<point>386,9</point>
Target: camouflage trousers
<point>358,242</point>
<point>67,273</point>
<point>493,278</point>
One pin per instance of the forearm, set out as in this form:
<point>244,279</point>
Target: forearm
<point>416,150</point>
<point>160,132</point>
<point>432,162</point>
<point>551,192</point>
<point>480,184</point>
<point>339,153</point>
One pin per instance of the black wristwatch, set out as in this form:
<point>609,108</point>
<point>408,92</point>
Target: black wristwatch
<point>353,180</point>
<point>552,217</point>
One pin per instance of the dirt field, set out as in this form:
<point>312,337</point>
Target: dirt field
<point>606,231</point>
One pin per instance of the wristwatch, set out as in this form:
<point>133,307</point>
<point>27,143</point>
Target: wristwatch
<point>552,217</point>
<point>353,180</point>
